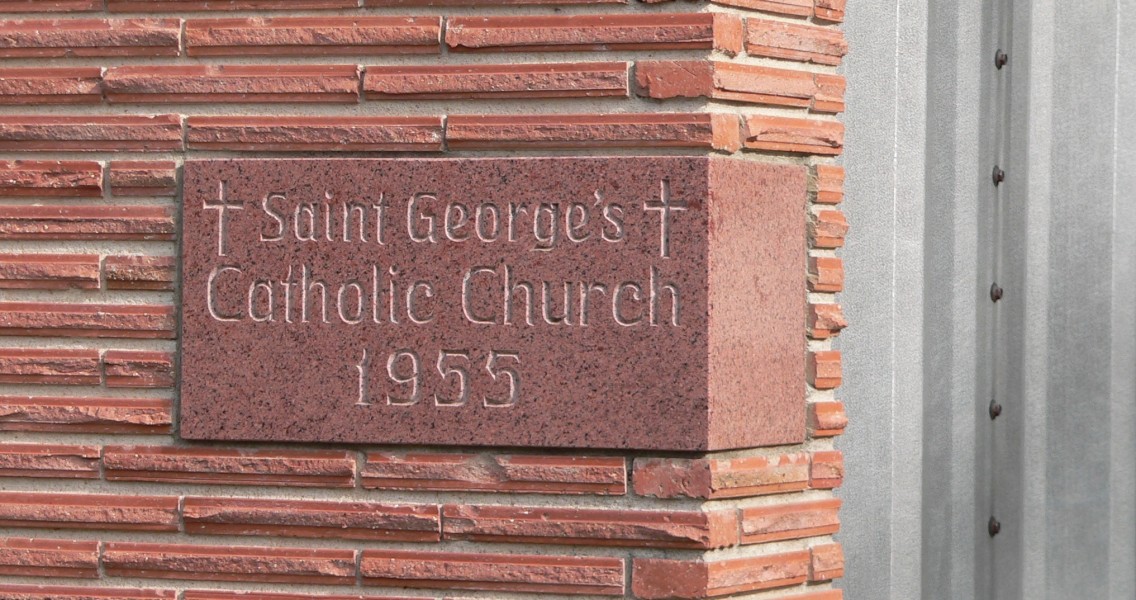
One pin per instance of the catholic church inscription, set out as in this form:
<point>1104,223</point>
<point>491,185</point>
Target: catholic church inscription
<point>590,302</point>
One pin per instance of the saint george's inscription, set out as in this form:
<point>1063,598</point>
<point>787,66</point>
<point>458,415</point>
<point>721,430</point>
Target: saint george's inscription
<point>301,295</point>
<point>443,301</point>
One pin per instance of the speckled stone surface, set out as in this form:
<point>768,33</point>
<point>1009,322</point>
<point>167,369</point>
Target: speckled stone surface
<point>452,361</point>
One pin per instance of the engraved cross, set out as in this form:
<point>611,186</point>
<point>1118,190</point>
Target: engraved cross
<point>665,206</point>
<point>222,206</point>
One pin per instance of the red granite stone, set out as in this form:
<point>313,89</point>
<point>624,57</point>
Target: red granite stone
<point>452,360</point>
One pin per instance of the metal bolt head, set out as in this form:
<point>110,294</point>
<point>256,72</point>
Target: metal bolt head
<point>994,527</point>
<point>1000,59</point>
<point>995,410</point>
<point>996,292</point>
<point>999,175</point>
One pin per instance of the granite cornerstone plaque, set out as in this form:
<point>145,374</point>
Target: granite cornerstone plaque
<point>649,303</point>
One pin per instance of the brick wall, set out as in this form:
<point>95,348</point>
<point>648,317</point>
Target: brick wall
<point>102,101</point>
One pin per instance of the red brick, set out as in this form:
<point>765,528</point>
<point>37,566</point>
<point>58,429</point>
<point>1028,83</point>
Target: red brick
<point>826,470</point>
<point>496,473</point>
<point>791,41</point>
<point>86,223</point>
<point>85,511</point>
<point>308,519</point>
<point>786,134</point>
<point>725,81</point>
<point>159,133</point>
<point>825,320</point>
<point>51,178</point>
<point>827,562</point>
<point>85,415</point>
<point>49,271</point>
<point>662,579</point>
<point>140,272</point>
<point>796,8</point>
<point>639,529</point>
<point>138,369</point>
<point>311,134</point>
<point>729,34</point>
<point>826,274</point>
<point>221,466</point>
<point>830,10</point>
<point>625,130</point>
<point>48,85</point>
<point>48,558</point>
<point>571,33</point>
<point>816,595</point>
<point>758,573</point>
<point>87,320</point>
<point>827,419</point>
<point>49,461</point>
<point>223,595</point>
<point>827,182</point>
<point>89,37</point>
<point>830,93</point>
<point>827,229</point>
<point>230,563</point>
<point>176,6</point>
<point>797,520</point>
<point>483,3</point>
<point>63,6</point>
<point>674,78</point>
<point>313,36</point>
<point>142,178</point>
<point>757,475</point>
<point>335,84</point>
<point>672,477</point>
<point>720,478</point>
<point>665,579</point>
<point>494,572</point>
<point>52,592</point>
<point>50,367</point>
<point>823,369</point>
<point>457,82</point>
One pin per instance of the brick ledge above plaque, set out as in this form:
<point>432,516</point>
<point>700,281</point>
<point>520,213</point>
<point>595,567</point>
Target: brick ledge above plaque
<point>641,303</point>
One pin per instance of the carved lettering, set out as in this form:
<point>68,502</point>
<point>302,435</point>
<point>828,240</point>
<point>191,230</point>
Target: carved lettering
<point>617,304</point>
<point>260,294</point>
<point>455,383</point>
<point>488,213</point>
<point>390,291</point>
<point>450,363</point>
<point>586,290</point>
<point>211,296</point>
<point>665,206</point>
<point>412,295</point>
<point>354,213</point>
<point>457,216</point>
<point>342,303</point>
<point>657,290</point>
<point>222,206</point>
<point>364,368</point>
<point>515,212</point>
<point>548,304</point>
<point>546,226</point>
<point>267,206</point>
<point>420,225</point>
<point>577,232</point>
<point>413,380</point>
<point>613,217</point>
<point>497,371</point>
<point>467,297</point>
<point>304,223</point>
